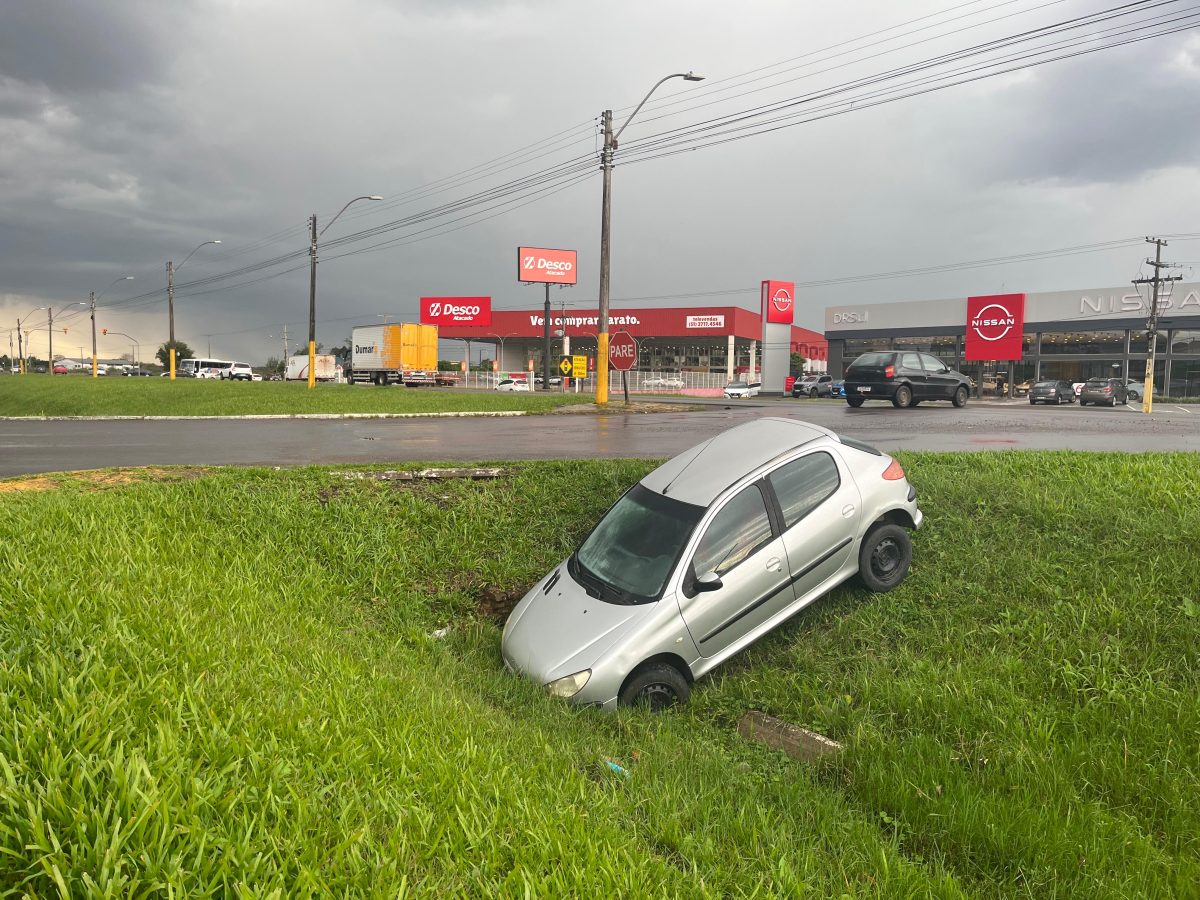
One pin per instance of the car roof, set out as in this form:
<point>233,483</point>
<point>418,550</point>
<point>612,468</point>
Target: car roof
<point>698,475</point>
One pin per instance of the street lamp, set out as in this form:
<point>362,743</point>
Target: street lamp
<point>312,287</point>
<point>606,166</point>
<point>22,349</point>
<point>171,269</point>
<point>92,298</point>
<point>501,338</point>
<point>50,329</point>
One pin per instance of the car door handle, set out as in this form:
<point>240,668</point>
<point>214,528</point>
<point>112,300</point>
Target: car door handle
<point>847,510</point>
<point>774,564</point>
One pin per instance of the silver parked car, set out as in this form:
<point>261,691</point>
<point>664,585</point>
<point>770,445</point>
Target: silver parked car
<point>709,552</point>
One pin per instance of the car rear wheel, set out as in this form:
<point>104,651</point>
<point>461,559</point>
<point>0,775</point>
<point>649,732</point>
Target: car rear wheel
<point>960,396</point>
<point>856,402</point>
<point>657,687</point>
<point>884,558</point>
<point>903,398</point>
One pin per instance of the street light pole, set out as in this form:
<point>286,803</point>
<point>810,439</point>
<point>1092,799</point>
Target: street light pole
<point>312,286</point>
<point>135,346</point>
<point>171,269</point>
<point>606,166</point>
<point>50,331</point>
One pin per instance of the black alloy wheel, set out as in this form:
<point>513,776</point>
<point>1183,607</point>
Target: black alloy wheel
<point>657,688</point>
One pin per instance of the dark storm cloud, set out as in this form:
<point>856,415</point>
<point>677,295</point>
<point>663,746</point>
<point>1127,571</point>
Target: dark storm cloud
<point>83,47</point>
<point>1111,120</point>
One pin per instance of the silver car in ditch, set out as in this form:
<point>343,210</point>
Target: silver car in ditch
<point>709,552</point>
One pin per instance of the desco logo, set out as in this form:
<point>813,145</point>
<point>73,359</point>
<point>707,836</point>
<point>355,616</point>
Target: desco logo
<point>451,309</point>
<point>993,322</point>
<point>549,265</point>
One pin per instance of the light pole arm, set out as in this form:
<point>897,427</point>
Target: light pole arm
<point>346,207</point>
<point>190,255</point>
<point>661,81</point>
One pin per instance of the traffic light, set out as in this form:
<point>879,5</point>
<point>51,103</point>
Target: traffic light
<point>104,331</point>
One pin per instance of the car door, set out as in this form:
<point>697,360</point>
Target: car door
<point>912,372</point>
<point>819,506</point>
<point>743,548</point>
<point>942,381</point>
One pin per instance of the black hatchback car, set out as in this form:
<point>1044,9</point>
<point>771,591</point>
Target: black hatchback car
<point>1052,392</point>
<point>904,377</point>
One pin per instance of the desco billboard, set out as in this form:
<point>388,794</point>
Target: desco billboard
<point>544,266</point>
<point>456,311</point>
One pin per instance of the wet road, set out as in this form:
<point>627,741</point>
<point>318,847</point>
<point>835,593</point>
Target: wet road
<point>34,446</point>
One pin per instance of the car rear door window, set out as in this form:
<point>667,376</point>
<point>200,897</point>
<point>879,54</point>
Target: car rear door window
<point>910,361</point>
<point>804,484</point>
<point>736,532</point>
<point>933,365</point>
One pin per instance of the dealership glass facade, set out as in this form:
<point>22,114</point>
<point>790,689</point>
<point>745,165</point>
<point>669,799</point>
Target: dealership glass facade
<point>1073,336</point>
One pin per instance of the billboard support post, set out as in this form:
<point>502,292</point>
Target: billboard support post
<point>546,342</point>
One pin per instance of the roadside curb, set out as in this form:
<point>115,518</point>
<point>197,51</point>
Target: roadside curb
<point>427,415</point>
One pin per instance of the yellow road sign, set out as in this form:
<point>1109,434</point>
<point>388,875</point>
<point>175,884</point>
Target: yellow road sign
<point>564,365</point>
<point>579,367</point>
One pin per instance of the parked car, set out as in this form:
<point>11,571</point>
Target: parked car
<point>1023,388</point>
<point>1135,390</point>
<point>708,553</point>
<point>512,384</point>
<point>1110,391</point>
<point>904,377</point>
<point>237,371</point>
<point>1051,392</point>
<point>837,389</point>
<point>137,373</point>
<point>738,390</point>
<point>554,380</point>
<point>813,386</point>
<point>663,382</point>
<point>60,370</point>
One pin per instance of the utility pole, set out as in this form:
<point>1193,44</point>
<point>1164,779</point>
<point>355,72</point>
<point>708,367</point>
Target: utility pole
<point>92,306</point>
<point>1152,324</point>
<point>50,332</point>
<point>312,305</point>
<point>10,352</point>
<point>170,318</point>
<point>20,349</point>
<point>285,347</point>
<point>606,166</point>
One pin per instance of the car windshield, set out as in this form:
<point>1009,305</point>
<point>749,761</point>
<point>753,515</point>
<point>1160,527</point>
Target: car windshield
<point>809,378</point>
<point>630,553</point>
<point>737,384</point>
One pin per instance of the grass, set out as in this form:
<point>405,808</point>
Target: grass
<point>74,395</point>
<point>227,682</point>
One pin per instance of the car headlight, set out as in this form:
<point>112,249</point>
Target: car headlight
<point>569,685</point>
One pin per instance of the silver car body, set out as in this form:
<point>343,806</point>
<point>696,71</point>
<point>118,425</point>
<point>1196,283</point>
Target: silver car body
<point>559,629</point>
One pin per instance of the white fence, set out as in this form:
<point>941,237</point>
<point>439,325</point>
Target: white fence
<point>639,382</point>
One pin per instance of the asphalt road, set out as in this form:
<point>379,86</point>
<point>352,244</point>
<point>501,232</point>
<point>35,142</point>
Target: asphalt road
<point>52,446</point>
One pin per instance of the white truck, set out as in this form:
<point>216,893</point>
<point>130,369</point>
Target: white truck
<point>403,353</point>
<point>326,368</point>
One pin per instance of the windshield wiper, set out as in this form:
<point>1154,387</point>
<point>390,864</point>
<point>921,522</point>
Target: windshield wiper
<point>596,586</point>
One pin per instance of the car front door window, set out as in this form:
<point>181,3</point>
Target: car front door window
<point>736,532</point>
<point>803,484</point>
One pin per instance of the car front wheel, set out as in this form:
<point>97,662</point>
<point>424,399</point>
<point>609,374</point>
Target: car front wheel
<point>960,396</point>
<point>657,687</point>
<point>884,558</point>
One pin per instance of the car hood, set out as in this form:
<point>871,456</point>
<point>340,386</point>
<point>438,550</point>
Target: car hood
<point>563,630</point>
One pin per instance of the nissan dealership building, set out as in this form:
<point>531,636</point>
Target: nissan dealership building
<point>1073,335</point>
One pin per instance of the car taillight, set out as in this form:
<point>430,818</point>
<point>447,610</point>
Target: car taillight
<point>895,471</point>
<point>889,372</point>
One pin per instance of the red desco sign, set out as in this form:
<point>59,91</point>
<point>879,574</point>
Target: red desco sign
<point>779,301</point>
<point>541,265</point>
<point>456,311</point>
<point>995,326</point>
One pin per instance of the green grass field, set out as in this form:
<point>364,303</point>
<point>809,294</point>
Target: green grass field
<point>227,682</point>
<point>76,395</point>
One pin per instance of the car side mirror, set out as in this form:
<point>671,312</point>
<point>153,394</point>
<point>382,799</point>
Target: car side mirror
<point>709,581</point>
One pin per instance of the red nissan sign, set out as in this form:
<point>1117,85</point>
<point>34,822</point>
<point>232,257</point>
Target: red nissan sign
<point>779,299</point>
<point>456,311</point>
<point>995,326</point>
<point>540,265</point>
<point>622,351</point>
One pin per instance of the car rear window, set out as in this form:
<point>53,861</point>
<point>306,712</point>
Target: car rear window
<point>872,359</point>
<point>858,445</point>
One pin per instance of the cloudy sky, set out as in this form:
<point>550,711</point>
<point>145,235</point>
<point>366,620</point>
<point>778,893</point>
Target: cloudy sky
<point>133,130</point>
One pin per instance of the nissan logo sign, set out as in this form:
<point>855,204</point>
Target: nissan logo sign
<point>782,300</point>
<point>993,322</point>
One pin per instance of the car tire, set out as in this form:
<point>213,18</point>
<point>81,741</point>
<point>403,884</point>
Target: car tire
<point>657,687</point>
<point>960,396</point>
<point>1113,402</point>
<point>854,402</point>
<point>812,395</point>
<point>1082,402</point>
<point>884,558</point>
<point>1032,402</point>
<point>903,397</point>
